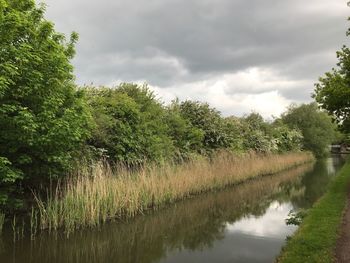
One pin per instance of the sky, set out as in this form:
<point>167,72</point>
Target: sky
<point>239,56</point>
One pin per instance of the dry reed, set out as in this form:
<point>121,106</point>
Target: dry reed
<point>101,192</point>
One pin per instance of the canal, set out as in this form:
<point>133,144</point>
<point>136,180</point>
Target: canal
<point>245,223</point>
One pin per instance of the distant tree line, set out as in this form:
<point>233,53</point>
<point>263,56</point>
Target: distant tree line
<point>47,122</point>
<point>132,126</point>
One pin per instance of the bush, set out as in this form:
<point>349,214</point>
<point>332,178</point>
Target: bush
<point>44,119</point>
<point>255,132</point>
<point>209,121</point>
<point>316,126</point>
<point>287,140</point>
<point>130,124</point>
<point>186,138</point>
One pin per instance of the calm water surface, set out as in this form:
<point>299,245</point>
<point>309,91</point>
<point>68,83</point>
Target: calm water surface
<point>245,223</point>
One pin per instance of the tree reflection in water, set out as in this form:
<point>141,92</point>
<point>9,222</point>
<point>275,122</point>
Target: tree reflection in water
<point>194,224</point>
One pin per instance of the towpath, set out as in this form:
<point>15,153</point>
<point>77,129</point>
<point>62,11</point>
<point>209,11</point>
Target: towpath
<point>343,244</point>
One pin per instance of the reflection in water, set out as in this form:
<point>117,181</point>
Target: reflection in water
<point>330,166</point>
<point>316,181</point>
<point>268,225</point>
<point>241,224</point>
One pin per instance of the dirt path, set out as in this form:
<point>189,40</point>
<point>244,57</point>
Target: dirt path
<point>343,244</point>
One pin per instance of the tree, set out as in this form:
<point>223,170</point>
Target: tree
<point>256,134</point>
<point>130,124</point>
<point>156,141</point>
<point>118,125</point>
<point>333,90</point>
<point>186,138</point>
<point>43,118</point>
<point>316,126</point>
<point>233,127</point>
<point>209,120</point>
<point>287,139</point>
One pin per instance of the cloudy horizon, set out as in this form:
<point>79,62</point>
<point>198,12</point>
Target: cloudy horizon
<point>239,56</point>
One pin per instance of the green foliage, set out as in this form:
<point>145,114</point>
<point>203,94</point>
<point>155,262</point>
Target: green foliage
<point>333,92</point>
<point>130,124</point>
<point>264,137</point>
<point>256,122</point>
<point>255,132</point>
<point>233,128</point>
<point>133,126</point>
<point>156,142</point>
<point>43,117</point>
<point>316,126</point>
<point>186,138</point>
<point>8,174</point>
<point>287,139</point>
<point>118,121</point>
<point>46,121</point>
<point>209,120</point>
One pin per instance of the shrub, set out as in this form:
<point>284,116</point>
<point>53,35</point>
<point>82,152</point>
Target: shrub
<point>43,117</point>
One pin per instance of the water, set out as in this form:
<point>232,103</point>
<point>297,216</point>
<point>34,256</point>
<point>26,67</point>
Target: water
<point>245,223</point>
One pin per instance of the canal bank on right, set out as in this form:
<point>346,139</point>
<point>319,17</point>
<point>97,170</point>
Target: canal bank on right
<point>319,237</point>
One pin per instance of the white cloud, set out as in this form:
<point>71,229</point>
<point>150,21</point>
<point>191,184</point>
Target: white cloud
<point>271,224</point>
<point>255,89</point>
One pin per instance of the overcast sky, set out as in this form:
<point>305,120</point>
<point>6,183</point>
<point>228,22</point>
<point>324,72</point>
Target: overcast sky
<point>238,55</point>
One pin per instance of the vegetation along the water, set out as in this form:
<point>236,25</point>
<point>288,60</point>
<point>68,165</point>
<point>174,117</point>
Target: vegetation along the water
<point>98,193</point>
<point>193,224</point>
<point>75,156</point>
<point>48,124</point>
<point>315,240</point>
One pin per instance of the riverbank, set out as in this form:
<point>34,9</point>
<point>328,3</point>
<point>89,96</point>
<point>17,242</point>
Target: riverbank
<point>199,225</point>
<point>102,193</point>
<point>316,239</point>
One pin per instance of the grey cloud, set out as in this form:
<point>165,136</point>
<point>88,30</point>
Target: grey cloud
<point>299,94</point>
<point>181,41</point>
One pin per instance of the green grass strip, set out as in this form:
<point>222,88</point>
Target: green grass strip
<point>316,238</point>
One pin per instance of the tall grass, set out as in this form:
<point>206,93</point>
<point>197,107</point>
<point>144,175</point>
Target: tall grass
<point>101,192</point>
<point>188,220</point>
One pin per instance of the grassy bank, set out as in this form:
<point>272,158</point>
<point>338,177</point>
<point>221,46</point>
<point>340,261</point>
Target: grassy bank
<point>316,238</point>
<point>101,192</point>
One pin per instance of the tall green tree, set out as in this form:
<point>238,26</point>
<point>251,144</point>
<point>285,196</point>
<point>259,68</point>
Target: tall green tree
<point>332,91</point>
<point>43,118</point>
<point>316,126</point>
<point>130,124</point>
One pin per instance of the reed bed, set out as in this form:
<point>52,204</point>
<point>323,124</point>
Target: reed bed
<point>188,219</point>
<point>96,194</point>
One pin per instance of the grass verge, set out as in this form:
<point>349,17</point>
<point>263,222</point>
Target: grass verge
<point>100,193</point>
<point>316,238</point>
